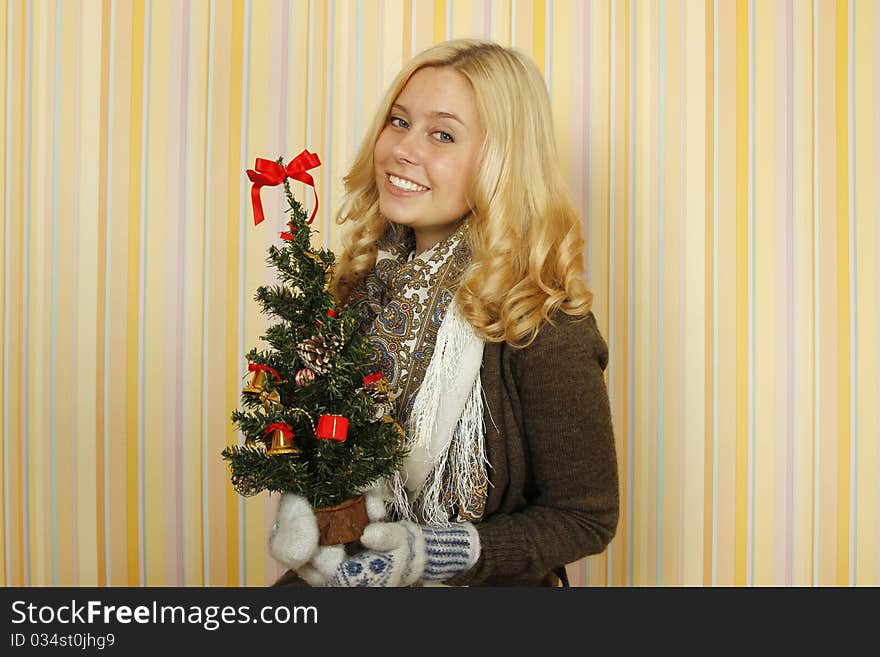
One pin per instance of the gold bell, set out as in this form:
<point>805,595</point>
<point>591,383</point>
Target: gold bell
<point>258,383</point>
<point>282,443</point>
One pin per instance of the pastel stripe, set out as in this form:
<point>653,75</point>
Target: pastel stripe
<point>844,436</point>
<point>54,446</point>
<point>873,337</point>
<point>816,517</point>
<point>742,291</point>
<point>865,121</point>
<point>710,449</point>
<point>765,300</point>
<point>26,205</point>
<point>629,281</point>
<point>243,517</point>
<point>101,481</point>
<point>6,192</point>
<point>88,258</point>
<point>5,66</point>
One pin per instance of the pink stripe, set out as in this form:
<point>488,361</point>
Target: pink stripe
<point>174,290</point>
<point>784,338</point>
<point>487,19</point>
<point>280,36</point>
<point>586,98</point>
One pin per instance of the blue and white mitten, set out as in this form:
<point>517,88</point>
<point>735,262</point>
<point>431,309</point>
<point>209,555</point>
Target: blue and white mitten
<point>403,553</point>
<point>326,559</point>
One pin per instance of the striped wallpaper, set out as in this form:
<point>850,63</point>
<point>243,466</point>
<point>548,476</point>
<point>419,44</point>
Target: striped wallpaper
<point>724,154</point>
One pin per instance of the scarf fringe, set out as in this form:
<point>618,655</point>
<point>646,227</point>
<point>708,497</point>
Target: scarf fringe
<point>462,444</point>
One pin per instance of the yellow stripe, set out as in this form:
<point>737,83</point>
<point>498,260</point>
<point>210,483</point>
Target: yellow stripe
<point>19,371</point>
<point>539,26</point>
<point>828,393</point>
<point>132,300</point>
<point>742,288</point>
<point>726,465</point>
<point>119,425</point>
<point>646,347</point>
<point>695,277</point>
<point>407,30</point>
<point>37,364</point>
<point>671,302</point>
<point>217,431</point>
<point>627,458</point>
<point>439,20</point>
<point>843,328</point>
<point>462,19</point>
<point>4,437</point>
<point>100,373</point>
<point>65,407</point>
<point>232,265</point>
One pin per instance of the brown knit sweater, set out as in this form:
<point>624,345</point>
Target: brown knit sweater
<point>553,497</point>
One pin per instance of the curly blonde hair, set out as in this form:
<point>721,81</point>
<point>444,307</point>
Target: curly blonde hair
<point>524,232</point>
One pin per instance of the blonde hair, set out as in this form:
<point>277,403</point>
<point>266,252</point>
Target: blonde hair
<point>524,232</point>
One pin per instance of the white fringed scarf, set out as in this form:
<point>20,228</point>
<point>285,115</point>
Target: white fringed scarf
<point>432,358</point>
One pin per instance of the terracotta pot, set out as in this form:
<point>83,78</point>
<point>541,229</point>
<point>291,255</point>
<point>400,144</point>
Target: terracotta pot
<point>343,523</point>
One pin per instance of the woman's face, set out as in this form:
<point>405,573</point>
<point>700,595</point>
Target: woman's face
<point>426,155</point>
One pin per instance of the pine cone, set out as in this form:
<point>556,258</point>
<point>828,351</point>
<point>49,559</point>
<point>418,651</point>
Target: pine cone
<point>317,353</point>
<point>379,394</point>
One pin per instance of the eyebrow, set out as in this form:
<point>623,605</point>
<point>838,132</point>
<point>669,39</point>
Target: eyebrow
<point>442,115</point>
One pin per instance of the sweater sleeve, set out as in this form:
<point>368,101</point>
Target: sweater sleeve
<point>573,502</point>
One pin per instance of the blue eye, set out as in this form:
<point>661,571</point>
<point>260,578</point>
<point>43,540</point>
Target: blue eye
<point>445,137</point>
<point>402,124</point>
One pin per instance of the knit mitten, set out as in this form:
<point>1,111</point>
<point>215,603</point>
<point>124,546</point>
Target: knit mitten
<point>326,559</point>
<point>294,536</point>
<point>450,550</point>
<point>402,553</point>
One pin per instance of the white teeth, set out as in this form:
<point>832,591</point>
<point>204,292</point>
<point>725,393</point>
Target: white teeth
<point>406,184</point>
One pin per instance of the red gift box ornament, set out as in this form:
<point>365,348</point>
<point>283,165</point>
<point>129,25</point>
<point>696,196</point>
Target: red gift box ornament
<point>332,427</point>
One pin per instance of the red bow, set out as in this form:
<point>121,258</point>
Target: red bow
<point>283,427</point>
<point>253,367</point>
<point>271,174</point>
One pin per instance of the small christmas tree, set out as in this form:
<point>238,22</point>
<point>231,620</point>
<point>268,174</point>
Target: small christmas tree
<point>315,421</point>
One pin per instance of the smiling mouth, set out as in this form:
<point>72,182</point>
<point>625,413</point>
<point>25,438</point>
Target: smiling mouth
<point>406,185</point>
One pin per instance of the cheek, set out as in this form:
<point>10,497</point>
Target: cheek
<point>382,147</point>
<point>458,177</point>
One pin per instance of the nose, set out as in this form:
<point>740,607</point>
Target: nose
<point>407,148</point>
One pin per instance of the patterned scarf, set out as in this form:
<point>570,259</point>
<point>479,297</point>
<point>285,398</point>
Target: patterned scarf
<point>405,302</point>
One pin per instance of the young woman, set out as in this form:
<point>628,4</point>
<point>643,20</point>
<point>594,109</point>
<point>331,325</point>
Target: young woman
<point>464,256</point>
